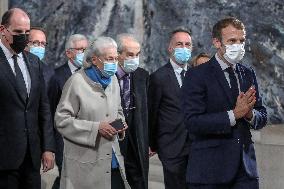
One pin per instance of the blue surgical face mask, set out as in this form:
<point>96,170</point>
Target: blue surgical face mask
<point>130,65</point>
<point>182,55</point>
<point>38,51</point>
<point>78,61</point>
<point>110,69</point>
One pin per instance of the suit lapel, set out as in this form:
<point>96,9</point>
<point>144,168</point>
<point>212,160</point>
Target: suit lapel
<point>32,75</point>
<point>67,72</point>
<point>245,79</point>
<point>219,74</point>
<point>6,68</point>
<point>173,78</point>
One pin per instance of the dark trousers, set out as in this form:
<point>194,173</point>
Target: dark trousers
<point>242,181</point>
<point>58,157</point>
<point>116,180</point>
<point>175,172</point>
<point>133,168</point>
<point>25,177</point>
<point>133,172</point>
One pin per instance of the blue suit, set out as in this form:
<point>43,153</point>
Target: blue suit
<point>218,149</point>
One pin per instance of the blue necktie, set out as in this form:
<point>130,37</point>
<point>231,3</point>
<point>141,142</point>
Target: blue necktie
<point>114,162</point>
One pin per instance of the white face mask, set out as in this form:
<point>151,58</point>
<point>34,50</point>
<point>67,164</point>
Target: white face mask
<point>234,53</point>
<point>130,65</point>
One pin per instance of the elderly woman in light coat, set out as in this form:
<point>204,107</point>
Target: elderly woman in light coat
<point>90,101</point>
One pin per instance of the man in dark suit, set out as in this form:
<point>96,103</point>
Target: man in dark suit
<point>26,134</point>
<point>74,49</point>
<point>37,44</point>
<point>168,135</point>
<point>222,103</point>
<point>133,83</point>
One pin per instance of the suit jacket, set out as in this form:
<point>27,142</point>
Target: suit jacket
<point>168,135</point>
<point>137,120</point>
<point>87,155</point>
<point>47,72</point>
<point>23,124</point>
<point>218,148</point>
<point>56,83</point>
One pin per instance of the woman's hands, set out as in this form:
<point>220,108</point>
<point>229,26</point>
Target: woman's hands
<point>107,131</point>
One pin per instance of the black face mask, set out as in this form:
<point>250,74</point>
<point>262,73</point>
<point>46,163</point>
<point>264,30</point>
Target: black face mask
<point>19,42</point>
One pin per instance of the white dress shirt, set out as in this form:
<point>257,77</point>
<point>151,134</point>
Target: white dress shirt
<point>72,67</point>
<point>22,65</point>
<point>178,70</point>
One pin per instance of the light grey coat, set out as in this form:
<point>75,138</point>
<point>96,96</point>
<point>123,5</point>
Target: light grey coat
<point>87,155</point>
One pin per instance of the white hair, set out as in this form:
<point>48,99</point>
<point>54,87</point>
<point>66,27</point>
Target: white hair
<point>72,39</point>
<point>119,40</point>
<point>97,48</point>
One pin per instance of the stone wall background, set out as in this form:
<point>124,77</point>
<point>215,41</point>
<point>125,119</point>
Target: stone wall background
<point>152,20</point>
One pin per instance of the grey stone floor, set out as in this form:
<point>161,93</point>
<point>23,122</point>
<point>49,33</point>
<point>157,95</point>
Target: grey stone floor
<point>269,145</point>
<point>155,175</point>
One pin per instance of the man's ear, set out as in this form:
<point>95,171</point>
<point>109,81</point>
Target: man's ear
<point>95,60</point>
<point>170,49</point>
<point>67,52</point>
<point>119,57</point>
<point>2,27</point>
<point>217,43</point>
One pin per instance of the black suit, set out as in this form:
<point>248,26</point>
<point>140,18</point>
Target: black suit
<point>221,156</point>
<point>25,125</point>
<point>57,81</point>
<point>47,72</point>
<point>168,135</point>
<point>135,146</point>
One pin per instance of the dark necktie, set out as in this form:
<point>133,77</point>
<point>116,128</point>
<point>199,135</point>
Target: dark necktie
<point>182,75</point>
<point>233,83</point>
<point>21,85</point>
<point>126,92</point>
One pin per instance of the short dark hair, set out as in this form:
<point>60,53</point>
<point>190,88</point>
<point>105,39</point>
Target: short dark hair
<point>217,28</point>
<point>6,17</point>
<point>180,29</point>
<point>38,28</point>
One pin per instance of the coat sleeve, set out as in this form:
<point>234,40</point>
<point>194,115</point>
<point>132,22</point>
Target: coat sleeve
<point>83,132</point>
<point>197,120</point>
<point>120,114</point>
<point>154,99</point>
<point>54,94</point>
<point>48,141</point>
<point>259,110</point>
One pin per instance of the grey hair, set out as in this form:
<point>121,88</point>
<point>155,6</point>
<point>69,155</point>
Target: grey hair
<point>72,39</point>
<point>97,48</point>
<point>119,40</point>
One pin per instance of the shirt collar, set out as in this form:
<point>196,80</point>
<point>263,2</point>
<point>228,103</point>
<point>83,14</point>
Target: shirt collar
<point>223,65</point>
<point>7,52</point>
<point>176,67</point>
<point>120,73</point>
<point>72,67</point>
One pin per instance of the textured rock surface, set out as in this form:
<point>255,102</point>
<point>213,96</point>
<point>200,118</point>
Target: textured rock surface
<point>152,20</point>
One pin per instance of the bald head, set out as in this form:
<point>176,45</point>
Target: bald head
<point>15,27</point>
<point>13,15</point>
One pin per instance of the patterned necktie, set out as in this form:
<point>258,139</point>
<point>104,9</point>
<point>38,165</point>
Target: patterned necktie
<point>233,83</point>
<point>182,75</point>
<point>126,92</point>
<point>21,85</point>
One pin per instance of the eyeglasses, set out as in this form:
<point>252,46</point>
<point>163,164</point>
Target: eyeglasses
<point>38,43</point>
<point>79,50</point>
